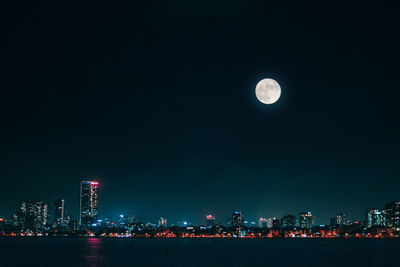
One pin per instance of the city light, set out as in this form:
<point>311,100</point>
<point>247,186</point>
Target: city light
<point>33,220</point>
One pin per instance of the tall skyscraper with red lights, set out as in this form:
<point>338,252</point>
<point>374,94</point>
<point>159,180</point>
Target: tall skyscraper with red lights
<point>89,203</point>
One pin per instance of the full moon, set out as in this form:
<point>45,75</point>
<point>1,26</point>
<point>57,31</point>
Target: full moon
<point>268,91</point>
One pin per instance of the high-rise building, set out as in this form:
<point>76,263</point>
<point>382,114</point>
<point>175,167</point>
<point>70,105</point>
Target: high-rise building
<point>162,222</point>
<point>288,221</point>
<point>275,223</point>
<point>89,203</point>
<point>306,219</point>
<point>376,217</point>
<point>59,211</point>
<point>17,219</point>
<point>34,215</point>
<point>107,222</point>
<point>262,222</point>
<point>122,221</point>
<point>341,219</point>
<point>393,214</point>
<point>210,220</point>
<point>270,222</point>
<point>237,219</point>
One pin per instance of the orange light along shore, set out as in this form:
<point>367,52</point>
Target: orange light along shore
<point>220,232</point>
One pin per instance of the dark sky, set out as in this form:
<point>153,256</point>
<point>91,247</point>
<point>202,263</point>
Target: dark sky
<point>157,102</point>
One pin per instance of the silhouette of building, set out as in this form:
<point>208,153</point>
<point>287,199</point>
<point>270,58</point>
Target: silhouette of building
<point>237,219</point>
<point>275,223</point>
<point>89,203</point>
<point>210,220</point>
<point>59,211</point>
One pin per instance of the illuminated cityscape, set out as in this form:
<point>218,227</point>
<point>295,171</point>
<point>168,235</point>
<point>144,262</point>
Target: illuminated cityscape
<point>33,220</point>
<point>88,203</point>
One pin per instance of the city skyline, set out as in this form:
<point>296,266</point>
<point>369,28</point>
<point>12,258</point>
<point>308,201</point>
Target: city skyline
<point>89,214</point>
<point>158,103</point>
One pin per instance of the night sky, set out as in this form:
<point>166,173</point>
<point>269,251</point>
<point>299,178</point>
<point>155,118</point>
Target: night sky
<point>156,101</point>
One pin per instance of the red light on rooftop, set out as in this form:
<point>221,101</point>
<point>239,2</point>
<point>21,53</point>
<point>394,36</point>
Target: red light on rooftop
<point>94,183</point>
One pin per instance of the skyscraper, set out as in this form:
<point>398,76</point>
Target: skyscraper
<point>162,222</point>
<point>306,219</point>
<point>237,219</point>
<point>210,220</point>
<point>59,211</point>
<point>89,203</point>
<point>262,222</point>
<point>34,215</point>
<point>376,217</point>
<point>393,214</point>
<point>288,221</point>
<point>341,219</point>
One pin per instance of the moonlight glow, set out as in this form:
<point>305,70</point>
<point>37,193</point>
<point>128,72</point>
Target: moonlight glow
<point>268,91</point>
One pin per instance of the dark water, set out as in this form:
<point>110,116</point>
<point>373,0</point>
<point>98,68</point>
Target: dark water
<point>198,252</point>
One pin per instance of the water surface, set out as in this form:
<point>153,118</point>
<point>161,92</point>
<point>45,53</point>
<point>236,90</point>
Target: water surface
<point>198,252</point>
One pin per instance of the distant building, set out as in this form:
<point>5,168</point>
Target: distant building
<point>375,217</point>
<point>210,220</point>
<point>288,221</point>
<point>122,221</point>
<point>59,211</point>
<point>393,214</point>
<point>132,220</point>
<point>275,223</point>
<point>17,219</point>
<point>33,215</point>
<point>162,222</point>
<point>89,203</point>
<point>270,222</point>
<point>107,222</point>
<point>249,223</point>
<point>341,219</point>
<point>306,219</point>
<point>262,222</point>
<point>237,219</point>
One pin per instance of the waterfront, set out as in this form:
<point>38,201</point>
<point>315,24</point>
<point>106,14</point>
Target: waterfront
<point>21,251</point>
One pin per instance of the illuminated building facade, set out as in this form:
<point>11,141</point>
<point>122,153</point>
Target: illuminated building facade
<point>237,219</point>
<point>17,219</point>
<point>306,220</point>
<point>162,222</point>
<point>288,221</point>
<point>122,221</point>
<point>59,211</point>
<point>89,203</point>
<point>270,222</point>
<point>376,217</point>
<point>34,215</point>
<point>393,214</point>
<point>107,222</point>
<point>210,220</point>
<point>341,219</point>
<point>262,222</point>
